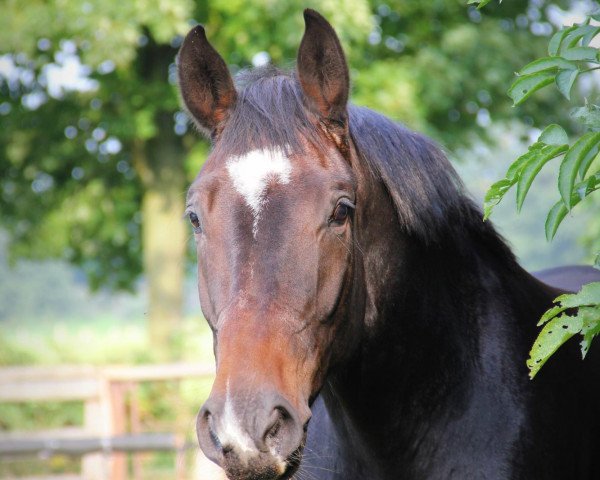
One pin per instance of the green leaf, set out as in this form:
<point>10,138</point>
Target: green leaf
<point>518,165</point>
<point>589,115</point>
<point>547,63</point>
<point>555,333</point>
<point>564,81</point>
<point>588,295</point>
<point>553,135</point>
<point>571,163</point>
<point>552,138</point>
<point>494,195</point>
<point>587,161</point>
<point>576,34</point>
<point>597,261</point>
<point>591,32</point>
<point>550,314</point>
<point>552,142</point>
<point>527,85</point>
<point>533,167</point>
<point>589,54</point>
<point>590,327</point>
<point>555,217</point>
<point>556,40</point>
<point>587,186</point>
<point>559,326</point>
<point>497,191</point>
<point>482,3</point>
<point>559,211</point>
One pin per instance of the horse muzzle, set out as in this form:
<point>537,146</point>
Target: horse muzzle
<point>252,437</point>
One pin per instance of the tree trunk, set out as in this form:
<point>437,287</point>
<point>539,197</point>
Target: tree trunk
<point>160,163</point>
<point>164,257</point>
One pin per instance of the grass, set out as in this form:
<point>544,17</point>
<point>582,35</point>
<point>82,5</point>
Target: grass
<point>99,341</point>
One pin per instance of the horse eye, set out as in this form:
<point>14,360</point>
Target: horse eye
<point>340,214</point>
<point>194,221</point>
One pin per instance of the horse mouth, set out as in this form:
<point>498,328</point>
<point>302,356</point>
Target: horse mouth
<point>292,463</point>
<point>289,467</point>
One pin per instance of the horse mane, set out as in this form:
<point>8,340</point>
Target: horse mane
<point>422,183</point>
<point>269,112</point>
<point>426,192</point>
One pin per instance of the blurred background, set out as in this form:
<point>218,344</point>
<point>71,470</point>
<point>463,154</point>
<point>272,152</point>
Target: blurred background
<point>101,332</point>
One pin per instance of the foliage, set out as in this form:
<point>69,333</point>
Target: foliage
<point>419,67</point>
<point>73,149</point>
<point>561,325</point>
<point>481,3</point>
<point>67,144</point>
<point>569,56</point>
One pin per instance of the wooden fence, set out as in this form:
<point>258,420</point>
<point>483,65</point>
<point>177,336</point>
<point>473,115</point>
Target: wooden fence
<point>109,428</point>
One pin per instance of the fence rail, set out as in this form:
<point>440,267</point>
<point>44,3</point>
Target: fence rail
<point>109,426</point>
<point>141,442</point>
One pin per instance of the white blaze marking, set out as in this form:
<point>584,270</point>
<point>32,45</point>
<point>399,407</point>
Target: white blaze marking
<point>252,172</point>
<point>231,432</point>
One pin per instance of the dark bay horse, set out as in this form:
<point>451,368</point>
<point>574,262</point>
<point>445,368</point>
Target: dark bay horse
<point>367,324</point>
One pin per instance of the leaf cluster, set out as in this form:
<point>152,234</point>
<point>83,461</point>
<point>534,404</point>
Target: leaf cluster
<point>573,314</point>
<point>570,55</point>
<point>574,181</point>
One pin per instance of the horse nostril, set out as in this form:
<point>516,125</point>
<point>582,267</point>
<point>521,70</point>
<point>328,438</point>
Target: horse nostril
<point>205,415</point>
<point>279,427</point>
<point>273,429</point>
<point>206,430</point>
<point>214,437</point>
<point>226,449</point>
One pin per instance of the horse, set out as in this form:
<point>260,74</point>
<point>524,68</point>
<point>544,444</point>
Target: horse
<point>367,323</point>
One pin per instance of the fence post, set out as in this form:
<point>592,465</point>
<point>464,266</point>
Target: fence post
<point>97,421</point>
<point>118,392</point>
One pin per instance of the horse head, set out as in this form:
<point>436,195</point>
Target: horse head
<point>274,212</point>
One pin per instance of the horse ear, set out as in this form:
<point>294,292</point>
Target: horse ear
<point>322,68</point>
<point>205,83</point>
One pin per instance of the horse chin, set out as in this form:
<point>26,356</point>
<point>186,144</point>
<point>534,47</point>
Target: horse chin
<point>293,463</point>
<point>283,470</point>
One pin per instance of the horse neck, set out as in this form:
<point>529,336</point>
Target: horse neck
<point>437,313</point>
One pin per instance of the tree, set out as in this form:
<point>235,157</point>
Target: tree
<point>80,158</point>
<point>81,154</point>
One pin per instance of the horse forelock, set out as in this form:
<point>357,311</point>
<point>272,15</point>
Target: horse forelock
<point>270,113</point>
